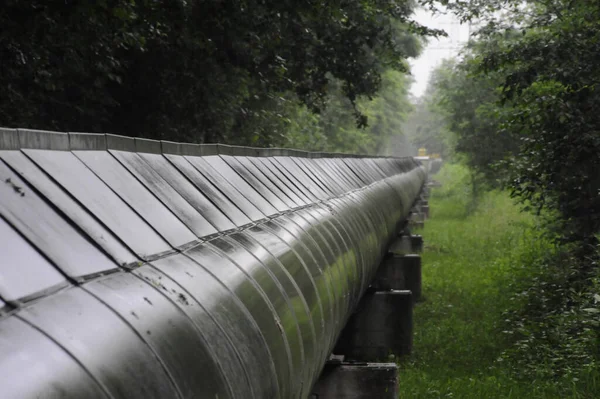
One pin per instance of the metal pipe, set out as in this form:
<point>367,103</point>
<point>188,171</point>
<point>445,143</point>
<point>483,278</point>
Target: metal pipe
<point>134,268</point>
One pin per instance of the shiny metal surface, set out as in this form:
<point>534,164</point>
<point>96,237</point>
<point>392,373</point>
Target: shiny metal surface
<point>296,318</point>
<point>311,247</point>
<point>49,232</point>
<point>165,193</point>
<point>194,197</point>
<point>222,202</point>
<point>309,273</point>
<point>289,168</point>
<point>166,330</point>
<point>261,309</point>
<point>352,234</point>
<point>335,166</point>
<point>328,241</point>
<point>274,175</point>
<point>232,316</point>
<point>218,343</point>
<point>100,201</point>
<point>322,252</point>
<point>326,218</point>
<point>308,304</point>
<point>142,201</point>
<point>29,362</point>
<point>254,208</point>
<point>269,181</point>
<point>362,170</point>
<point>297,184</point>
<point>274,250</point>
<point>19,258</point>
<point>53,193</point>
<point>270,193</point>
<point>330,173</point>
<point>249,192</point>
<point>333,187</point>
<point>111,352</point>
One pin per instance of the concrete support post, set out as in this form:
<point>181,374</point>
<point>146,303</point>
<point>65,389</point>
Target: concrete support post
<point>416,243</point>
<point>380,329</point>
<point>357,381</point>
<point>416,220</point>
<point>390,275</point>
<point>425,211</point>
<point>407,244</point>
<point>416,225</point>
<point>400,272</point>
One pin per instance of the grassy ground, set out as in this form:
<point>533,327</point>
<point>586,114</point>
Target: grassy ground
<point>469,262</point>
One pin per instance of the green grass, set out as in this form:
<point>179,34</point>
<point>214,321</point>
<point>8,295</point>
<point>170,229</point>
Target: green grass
<point>469,262</point>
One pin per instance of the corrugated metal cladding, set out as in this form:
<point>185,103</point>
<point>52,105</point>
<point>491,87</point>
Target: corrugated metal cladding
<point>133,268</point>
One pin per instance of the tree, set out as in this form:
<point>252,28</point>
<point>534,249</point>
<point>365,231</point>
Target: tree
<point>199,70</point>
<point>545,55</point>
<point>334,128</point>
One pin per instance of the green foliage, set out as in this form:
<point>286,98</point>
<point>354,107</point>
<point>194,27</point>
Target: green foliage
<point>334,129</point>
<point>523,100</point>
<point>199,70</point>
<point>528,87</point>
<point>468,103</point>
<point>60,60</point>
<point>496,321</point>
<point>428,126</point>
<point>553,323</point>
<point>552,86</point>
<point>427,129</point>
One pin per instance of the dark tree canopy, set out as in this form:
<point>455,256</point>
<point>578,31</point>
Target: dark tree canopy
<point>197,70</point>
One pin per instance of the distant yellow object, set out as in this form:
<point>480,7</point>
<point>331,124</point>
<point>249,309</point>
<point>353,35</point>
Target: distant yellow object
<point>434,156</point>
<point>422,152</point>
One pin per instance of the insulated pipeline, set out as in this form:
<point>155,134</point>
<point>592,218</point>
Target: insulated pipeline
<point>134,268</point>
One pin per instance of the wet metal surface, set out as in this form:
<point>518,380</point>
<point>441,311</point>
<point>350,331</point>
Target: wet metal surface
<point>289,168</point>
<point>270,193</point>
<point>310,274</point>
<point>252,206</point>
<point>331,186</point>
<point>335,167</point>
<point>296,319</point>
<point>250,192</point>
<point>221,201</point>
<point>188,191</point>
<point>145,204</point>
<point>361,170</point>
<point>278,175</point>
<point>219,344</point>
<point>270,182</point>
<point>20,259</point>
<point>299,238</point>
<point>100,201</point>
<point>29,362</point>
<point>166,330</point>
<point>111,352</point>
<point>165,193</point>
<point>227,310</point>
<point>254,261</point>
<point>259,306</point>
<point>53,193</point>
<point>56,238</point>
